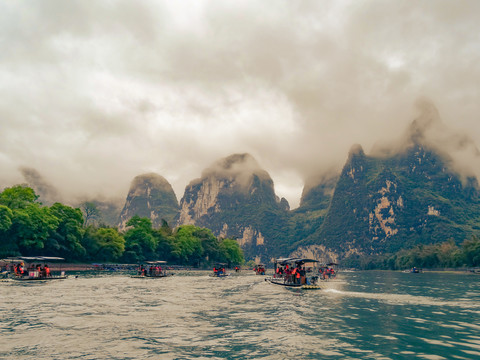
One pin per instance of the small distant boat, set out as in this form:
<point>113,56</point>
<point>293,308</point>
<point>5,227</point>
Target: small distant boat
<point>259,269</point>
<point>153,270</point>
<point>291,273</point>
<point>23,268</point>
<point>219,271</point>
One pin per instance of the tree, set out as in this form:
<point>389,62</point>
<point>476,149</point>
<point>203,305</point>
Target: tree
<point>66,239</point>
<point>18,197</point>
<point>209,243</point>
<point>31,227</point>
<point>91,212</point>
<point>7,248</point>
<point>6,216</point>
<point>231,252</point>
<point>139,239</point>
<point>471,251</point>
<point>188,248</point>
<point>106,243</point>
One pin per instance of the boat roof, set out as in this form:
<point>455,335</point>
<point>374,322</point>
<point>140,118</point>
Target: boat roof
<point>34,258</point>
<point>300,261</point>
<point>156,262</point>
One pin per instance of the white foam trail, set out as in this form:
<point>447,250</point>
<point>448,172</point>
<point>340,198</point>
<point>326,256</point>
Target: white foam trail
<point>404,299</point>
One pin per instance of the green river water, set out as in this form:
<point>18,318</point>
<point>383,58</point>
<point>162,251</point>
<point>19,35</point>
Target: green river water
<point>359,315</point>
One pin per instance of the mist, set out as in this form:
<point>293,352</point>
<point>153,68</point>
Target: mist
<point>93,94</point>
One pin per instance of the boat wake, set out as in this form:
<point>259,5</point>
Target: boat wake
<point>405,299</point>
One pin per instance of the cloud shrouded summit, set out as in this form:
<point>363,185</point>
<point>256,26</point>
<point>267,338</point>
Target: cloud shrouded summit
<point>94,93</point>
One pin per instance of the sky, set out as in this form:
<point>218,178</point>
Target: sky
<point>94,93</point>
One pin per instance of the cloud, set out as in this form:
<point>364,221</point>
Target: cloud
<point>94,93</point>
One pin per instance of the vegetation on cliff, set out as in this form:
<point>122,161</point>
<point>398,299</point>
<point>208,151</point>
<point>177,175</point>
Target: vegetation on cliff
<point>435,256</point>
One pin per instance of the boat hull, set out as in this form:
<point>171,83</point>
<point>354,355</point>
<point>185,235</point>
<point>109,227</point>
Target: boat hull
<point>150,277</point>
<point>27,278</point>
<point>290,285</point>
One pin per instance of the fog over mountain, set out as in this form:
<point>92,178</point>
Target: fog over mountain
<point>93,94</point>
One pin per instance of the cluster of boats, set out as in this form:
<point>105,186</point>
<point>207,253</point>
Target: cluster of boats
<point>300,273</point>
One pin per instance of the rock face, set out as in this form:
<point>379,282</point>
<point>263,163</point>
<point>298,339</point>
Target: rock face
<point>235,198</point>
<point>386,203</point>
<point>152,196</point>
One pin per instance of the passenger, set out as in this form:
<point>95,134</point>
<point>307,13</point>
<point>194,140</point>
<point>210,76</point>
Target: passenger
<point>303,274</point>
<point>298,275</point>
<point>47,271</point>
<point>293,275</point>
<point>21,270</point>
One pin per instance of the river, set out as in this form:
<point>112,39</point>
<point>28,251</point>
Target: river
<point>359,315</point>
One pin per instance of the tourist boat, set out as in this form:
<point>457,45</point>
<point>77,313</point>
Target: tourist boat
<point>259,269</point>
<point>327,271</point>
<point>286,270</point>
<point>23,268</point>
<point>219,270</point>
<point>153,270</point>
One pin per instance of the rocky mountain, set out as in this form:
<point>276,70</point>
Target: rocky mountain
<point>408,196</point>
<point>235,198</point>
<point>152,196</point>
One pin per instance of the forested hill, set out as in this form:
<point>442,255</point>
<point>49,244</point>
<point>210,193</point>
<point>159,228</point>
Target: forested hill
<point>29,228</point>
<point>386,204</point>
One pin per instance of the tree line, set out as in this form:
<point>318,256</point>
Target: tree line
<point>434,256</point>
<point>28,228</point>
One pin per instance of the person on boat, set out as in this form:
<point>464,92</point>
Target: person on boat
<point>288,275</point>
<point>303,274</point>
<point>43,272</point>
<point>47,271</point>
<point>294,275</point>
<point>20,269</point>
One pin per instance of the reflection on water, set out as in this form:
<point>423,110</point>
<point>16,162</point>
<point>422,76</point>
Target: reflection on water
<point>363,315</point>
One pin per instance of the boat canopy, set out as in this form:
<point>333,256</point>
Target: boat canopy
<point>155,262</point>
<point>35,258</point>
<point>303,261</point>
<point>298,261</point>
<point>332,264</point>
<point>284,261</point>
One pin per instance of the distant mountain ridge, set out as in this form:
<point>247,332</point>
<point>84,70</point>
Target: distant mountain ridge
<point>405,194</point>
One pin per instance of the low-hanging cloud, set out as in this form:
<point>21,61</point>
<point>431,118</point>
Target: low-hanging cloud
<point>94,93</point>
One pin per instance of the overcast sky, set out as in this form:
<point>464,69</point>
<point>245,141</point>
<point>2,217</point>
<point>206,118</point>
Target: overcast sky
<point>93,93</point>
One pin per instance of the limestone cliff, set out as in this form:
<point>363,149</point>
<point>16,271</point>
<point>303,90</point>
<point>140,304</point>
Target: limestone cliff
<point>235,198</point>
<point>152,196</point>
